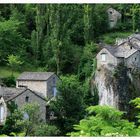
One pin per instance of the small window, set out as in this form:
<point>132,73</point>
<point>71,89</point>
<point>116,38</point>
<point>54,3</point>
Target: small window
<point>52,114</point>
<point>135,59</point>
<point>110,12</point>
<point>130,47</point>
<point>26,99</point>
<point>103,57</point>
<point>111,20</point>
<point>54,91</point>
<point>1,113</point>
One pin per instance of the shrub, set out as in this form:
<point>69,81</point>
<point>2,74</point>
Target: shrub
<point>104,121</point>
<point>9,81</point>
<point>46,130</point>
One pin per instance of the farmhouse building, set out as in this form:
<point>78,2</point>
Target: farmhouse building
<point>113,16</point>
<point>42,82</point>
<point>20,96</point>
<point>31,87</point>
<point>126,51</point>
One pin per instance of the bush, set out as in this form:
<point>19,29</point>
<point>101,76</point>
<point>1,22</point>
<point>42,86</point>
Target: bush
<point>9,81</point>
<point>110,38</point>
<point>105,121</point>
<point>46,130</point>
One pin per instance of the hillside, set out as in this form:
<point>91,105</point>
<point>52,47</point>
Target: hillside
<point>66,39</point>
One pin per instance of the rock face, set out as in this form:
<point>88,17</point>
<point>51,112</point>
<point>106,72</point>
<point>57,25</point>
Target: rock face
<point>105,90</point>
<point>117,87</point>
<point>117,77</point>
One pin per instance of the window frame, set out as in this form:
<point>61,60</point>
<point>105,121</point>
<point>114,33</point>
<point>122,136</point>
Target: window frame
<point>54,91</point>
<point>27,99</point>
<point>103,57</point>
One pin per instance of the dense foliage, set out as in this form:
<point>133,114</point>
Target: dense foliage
<point>56,36</point>
<point>105,121</point>
<point>63,38</point>
<point>69,104</point>
<point>25,121</point>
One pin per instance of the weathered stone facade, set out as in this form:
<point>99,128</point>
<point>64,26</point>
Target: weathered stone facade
<point>32,87</point>
<point>20,100</point>
<point>46,87</point>
<point>113,16</point>
<point>51,85</point>
<point>110,59</point>
<point>133,61</point>
<point>39,86</point>
<point>127,52</point>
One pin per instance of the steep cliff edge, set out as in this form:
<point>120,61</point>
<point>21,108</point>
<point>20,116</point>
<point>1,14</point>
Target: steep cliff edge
<point>118,86</point>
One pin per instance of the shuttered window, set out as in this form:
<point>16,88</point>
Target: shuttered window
<point>103,57</point>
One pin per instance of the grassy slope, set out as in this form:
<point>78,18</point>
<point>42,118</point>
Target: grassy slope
<point>110,38</point>
<point>5,72</point>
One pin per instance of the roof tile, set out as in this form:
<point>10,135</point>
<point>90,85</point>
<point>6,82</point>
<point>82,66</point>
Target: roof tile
<point>41,76</point>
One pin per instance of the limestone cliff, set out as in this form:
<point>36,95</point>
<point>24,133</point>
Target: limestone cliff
<point>116,87</point>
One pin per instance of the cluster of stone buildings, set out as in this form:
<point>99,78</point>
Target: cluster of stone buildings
<point>31,87</point>
<point>117,91</point>
<point>126,51</point>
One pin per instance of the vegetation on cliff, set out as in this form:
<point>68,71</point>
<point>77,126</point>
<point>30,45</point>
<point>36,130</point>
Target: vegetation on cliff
<point>64,38</point>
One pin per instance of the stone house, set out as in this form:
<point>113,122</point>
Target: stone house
<point>125,51</point>
<point>113,17</point>
<point>31,87</point>
<point>20,96</point>
<point>42,82</point>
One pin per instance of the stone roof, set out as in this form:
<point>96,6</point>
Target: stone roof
<point>35,76</point>
<point>8,93</point>
<point>111,49</point>
<point>119,51</point>
<point>11,93</point>
<point>137,36</point>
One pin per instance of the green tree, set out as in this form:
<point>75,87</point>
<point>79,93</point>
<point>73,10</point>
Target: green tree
<point>11,121</point>
<point>104,121</point>
<point>14,62</point>
<point>11,41</point>
<point>30,118</point>
<point>69,105</point>
<point>133,12</point>
<point>86,63</point>
<point>46,130</point>
<point>136,103</point>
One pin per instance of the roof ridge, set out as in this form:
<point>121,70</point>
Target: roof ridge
<point>35,76</point>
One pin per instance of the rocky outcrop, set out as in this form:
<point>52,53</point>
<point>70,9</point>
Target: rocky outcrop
<point>116,87</point>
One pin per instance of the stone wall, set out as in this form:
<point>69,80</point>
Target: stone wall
<point>125,50</point>
<point>110,59</point>
<point>44,87</point>
<point>133,61</point>
<point>32,98</point>
<point>51,83</point>
<point>39,86</point>
<point>113,16</point>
